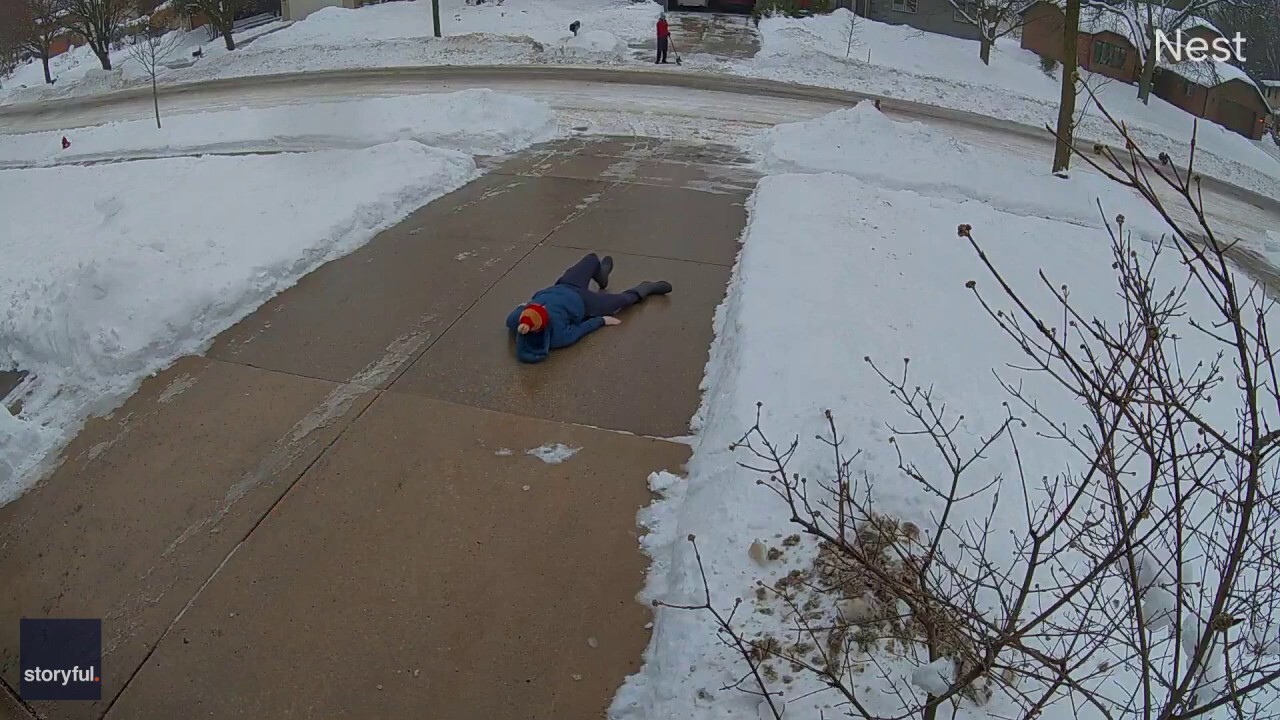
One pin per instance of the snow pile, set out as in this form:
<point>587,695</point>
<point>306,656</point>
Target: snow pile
<point>945,71</point>
<point>595,45</point>
<point>94,80</point>
<point>553,453</point>
<point>863,142</point>
<point>835,268</point>
<point>112,271</point>
<point>477,121</point>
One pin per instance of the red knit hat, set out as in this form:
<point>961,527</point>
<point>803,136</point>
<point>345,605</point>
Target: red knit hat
<point>534,317</point>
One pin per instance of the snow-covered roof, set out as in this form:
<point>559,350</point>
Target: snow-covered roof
<point>1129,22</point>
<point>1269,83</point>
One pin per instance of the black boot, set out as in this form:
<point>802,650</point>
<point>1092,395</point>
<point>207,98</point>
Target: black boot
<point>602,274</point>
<point>652,287</point>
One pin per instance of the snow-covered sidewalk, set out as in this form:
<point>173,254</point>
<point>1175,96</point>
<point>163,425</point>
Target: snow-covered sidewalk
<point>472,121</point>
<point>851,254</point>
<point>879,59</point>
<point>113,271</point>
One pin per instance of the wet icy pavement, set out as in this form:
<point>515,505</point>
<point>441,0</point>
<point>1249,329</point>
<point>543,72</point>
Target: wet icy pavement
<point>724,36</point>
<point>334,512</point>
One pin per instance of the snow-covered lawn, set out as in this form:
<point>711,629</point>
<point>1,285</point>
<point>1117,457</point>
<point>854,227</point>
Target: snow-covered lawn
<point>78,71</point>
<point>387,35</point>
<point>851,252</point>
<point>113,271</point>
<point>939,70</point>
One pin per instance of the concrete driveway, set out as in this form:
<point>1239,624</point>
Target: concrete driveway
<point>333,513</point>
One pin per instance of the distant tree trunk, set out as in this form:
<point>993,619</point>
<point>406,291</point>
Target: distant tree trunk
<point>1148,72</point>
<point>435,15</point>
<point>155,99</point>
<point>1067,103</point>
<point>103,52</point>
<point>44,60</point>
<point>984,49</point>
<point>226,36</point>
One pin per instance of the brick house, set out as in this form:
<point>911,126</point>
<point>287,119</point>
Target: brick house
<point>1271,91</point>
<point>936,16</point>
<point>1102,45</point>
<point>1216,91</point>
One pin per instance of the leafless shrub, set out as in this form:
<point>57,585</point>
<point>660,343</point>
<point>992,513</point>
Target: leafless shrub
<point>1141,580</point>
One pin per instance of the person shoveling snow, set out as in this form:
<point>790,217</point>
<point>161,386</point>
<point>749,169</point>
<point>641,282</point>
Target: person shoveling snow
<point>568,311</point>
<point>664,38</point>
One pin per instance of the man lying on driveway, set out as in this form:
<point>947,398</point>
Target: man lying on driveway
<point>561,315</point>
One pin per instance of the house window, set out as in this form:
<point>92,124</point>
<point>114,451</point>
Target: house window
<point>907,6</point>
<point>1105,53</point>
<point>970,10</point>
<point>1188,89</point>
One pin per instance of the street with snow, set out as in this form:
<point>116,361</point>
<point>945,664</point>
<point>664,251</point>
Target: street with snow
<point>284,306</point>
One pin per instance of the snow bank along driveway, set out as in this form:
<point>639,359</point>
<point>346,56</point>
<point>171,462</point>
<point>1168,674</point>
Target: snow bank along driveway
<point>113,271</point>
<point>851,251</point>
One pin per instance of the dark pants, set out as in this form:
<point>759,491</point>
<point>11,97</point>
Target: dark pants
<point>598,304</point>
<point>662,50</point>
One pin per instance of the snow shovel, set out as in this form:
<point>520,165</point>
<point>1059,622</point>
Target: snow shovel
<point>675,51</point>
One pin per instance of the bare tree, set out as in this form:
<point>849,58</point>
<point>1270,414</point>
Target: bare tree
<point>100,23</point>
<point>993,18</point>
<point>221,14</point>
<point>149,48</point>
<point>8,42</point>
<point>1140,580</point>
<point>851,33</point>
<point>1141,20</point>
<point>1065,132</point>
<point>1261,24</point>
<point>33,25</point>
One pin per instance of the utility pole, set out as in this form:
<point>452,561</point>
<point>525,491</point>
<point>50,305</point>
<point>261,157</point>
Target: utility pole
<point>435,15</point>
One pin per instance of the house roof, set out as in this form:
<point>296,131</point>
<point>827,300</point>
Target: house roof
<point>1269,83</point>
<point>1129,22</point>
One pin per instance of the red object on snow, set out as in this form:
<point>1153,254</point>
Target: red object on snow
<point>664,30</point>
<point>65,142</point>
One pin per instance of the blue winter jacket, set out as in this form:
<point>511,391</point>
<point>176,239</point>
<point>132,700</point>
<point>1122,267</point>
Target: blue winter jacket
<point>568,323</point>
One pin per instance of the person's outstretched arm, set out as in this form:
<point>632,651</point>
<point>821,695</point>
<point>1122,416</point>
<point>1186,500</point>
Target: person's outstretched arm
<point>574,333</point>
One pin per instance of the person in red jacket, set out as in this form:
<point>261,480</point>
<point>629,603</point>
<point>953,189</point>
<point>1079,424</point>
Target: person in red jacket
<point>664,37</point>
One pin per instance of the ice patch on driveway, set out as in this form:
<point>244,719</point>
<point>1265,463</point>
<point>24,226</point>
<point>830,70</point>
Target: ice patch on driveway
<point>553,453</point>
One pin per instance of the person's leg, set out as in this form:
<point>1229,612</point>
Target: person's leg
<point>580,275</point>
<point>600,304</point>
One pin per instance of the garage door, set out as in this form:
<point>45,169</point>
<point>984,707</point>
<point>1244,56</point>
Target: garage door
<point>1237,117</point>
